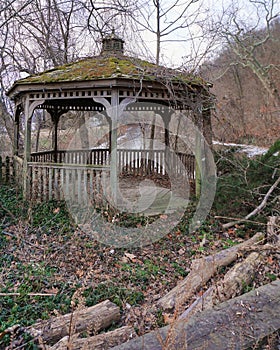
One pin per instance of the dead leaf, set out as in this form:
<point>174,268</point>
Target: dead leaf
<point>131,257</point>
<point>231,231</point>
<point>270,260</point>
<point>124,259</point>
<point>181,251</point>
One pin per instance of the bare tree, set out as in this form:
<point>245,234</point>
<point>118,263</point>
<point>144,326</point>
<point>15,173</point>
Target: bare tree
<point>246,40</point>
<point>163,19</point>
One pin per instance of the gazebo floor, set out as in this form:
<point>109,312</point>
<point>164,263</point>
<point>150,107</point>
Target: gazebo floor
<point>149,197</point>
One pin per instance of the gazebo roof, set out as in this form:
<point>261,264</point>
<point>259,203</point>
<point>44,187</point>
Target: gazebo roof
<point>110,66</point>
<point>107,66</point>
<point>97,76</point>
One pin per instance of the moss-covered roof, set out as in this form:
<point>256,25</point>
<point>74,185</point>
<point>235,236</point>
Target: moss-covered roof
<point>102,67</point>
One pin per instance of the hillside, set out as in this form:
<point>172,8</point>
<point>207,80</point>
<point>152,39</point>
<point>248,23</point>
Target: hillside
<point>246,111</point>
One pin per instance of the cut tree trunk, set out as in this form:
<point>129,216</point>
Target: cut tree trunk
<point>99,342</point>
<point>235,324</point>
<point>92,319</point>
<point>233,283</point>
<point>201,271</point>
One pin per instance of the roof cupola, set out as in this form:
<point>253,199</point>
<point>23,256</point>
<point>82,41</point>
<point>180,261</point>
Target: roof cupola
<point>112,44</point>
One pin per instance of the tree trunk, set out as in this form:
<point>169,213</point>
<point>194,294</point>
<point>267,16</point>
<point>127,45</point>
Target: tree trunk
<point>92,319</point>
<point>99,342</point>
<point>236,324</point>
<point>202,270</point>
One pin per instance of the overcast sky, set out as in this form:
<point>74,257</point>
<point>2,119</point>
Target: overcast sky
<point>189,45</point>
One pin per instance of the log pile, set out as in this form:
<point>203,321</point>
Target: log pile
<point>220,317</point>
<point>236,324</point>
<point>201,272</point>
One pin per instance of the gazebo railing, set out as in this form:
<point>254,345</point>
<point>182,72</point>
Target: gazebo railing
<point>49,180</point>
<point>93,156</point>
<point>134,162</point>
<point>83,183</point>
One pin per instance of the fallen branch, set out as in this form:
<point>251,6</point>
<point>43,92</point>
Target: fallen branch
<point>239,323</point>
<point>99,342</point>
<point>201,271</point>
<point>92,319</point>
<point>239,220</point>
<point>9,330</point>
<point>21,239</point>
<point>28,294</point>
<point>258,208</point>
<point>233,283</point>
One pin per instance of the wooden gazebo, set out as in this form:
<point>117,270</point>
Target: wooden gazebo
<point>110,83</point>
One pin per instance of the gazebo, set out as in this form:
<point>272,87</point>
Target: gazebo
<point>114,84</point>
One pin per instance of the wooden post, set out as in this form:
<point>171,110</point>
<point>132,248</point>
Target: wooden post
<point>110,133</point>
<point>113,145</point>
<point>16,131</point>
<point>26,157</point>
<point>28,112</point>
<point>113,111</point>
<point>55,115</point>
<point>206,124</point>
<point>166,117</point>
<point>55,145</point>
<point>198,163</point>
<point>167,154</point>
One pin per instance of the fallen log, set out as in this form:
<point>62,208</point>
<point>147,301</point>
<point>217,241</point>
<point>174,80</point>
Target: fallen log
<point>235,324</point>
<point>201,271</point>
<point>233,283</point>
<point>99,342</point>
<point>91,319</point>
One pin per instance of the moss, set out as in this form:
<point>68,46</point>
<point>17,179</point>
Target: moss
<point>101,67</point>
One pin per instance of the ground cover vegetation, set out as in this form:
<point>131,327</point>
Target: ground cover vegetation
<point>50,267</point>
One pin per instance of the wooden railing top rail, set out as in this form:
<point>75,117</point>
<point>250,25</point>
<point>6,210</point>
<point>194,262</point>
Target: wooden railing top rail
<point>69,166</point>
<point>68,151</point>
<point>106,150</point>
